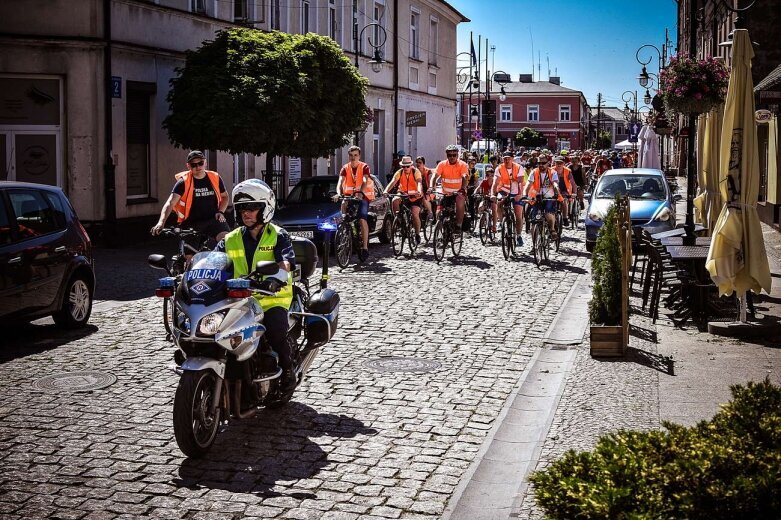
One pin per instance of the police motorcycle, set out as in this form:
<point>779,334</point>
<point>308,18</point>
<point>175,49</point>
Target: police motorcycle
<point>227,370</point>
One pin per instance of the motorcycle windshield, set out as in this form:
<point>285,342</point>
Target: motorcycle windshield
<point>205,281</point>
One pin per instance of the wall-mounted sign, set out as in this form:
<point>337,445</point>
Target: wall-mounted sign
<point>293,171</point>
<point>415,118</point>
<point>116,87</point>
<point>763,116</point>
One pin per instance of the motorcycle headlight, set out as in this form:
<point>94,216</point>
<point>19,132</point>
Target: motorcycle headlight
<point>596,216</point>
<point>664,215</point>
<point>210,324</point>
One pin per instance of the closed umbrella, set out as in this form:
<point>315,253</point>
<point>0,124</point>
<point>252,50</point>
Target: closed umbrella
<point>737,260</point>
<point>649,148</point>
<point>709,201</point>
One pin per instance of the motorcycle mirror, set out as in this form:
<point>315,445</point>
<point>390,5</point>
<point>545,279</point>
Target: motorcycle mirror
<point>158,262</point>
<point>266,268</point>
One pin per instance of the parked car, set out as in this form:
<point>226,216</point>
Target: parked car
<point>309,204</point>
<point>46,263</point>
<point>652,203</point>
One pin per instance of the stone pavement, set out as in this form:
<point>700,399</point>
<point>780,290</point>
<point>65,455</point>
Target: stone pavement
<point>354,443</point>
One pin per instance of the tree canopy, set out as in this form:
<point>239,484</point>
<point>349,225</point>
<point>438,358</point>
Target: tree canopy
<point>530,137</point>
<point>257,92</point>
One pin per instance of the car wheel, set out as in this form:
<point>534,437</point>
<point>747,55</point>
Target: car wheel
<point>76,303</point>
<point>385,233</point>
<point>590,247</point>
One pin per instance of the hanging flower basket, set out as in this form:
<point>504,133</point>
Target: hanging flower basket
<point>663,130</point>
<point>692,86</point>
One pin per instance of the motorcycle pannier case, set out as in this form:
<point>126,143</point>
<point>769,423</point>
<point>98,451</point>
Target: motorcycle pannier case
<point>306,256</point>
<point>326,304</point>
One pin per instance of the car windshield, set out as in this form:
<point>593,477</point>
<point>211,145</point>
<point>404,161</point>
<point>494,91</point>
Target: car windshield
<point>318,192</point>
<point>638,187</point>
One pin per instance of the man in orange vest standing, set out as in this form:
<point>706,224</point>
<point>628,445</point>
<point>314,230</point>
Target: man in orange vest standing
<point>355,181</point>
<point>199,200</point>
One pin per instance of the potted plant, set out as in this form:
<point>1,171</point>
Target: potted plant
<point>691,86</point>
<point>607,334</point>
<point>660,123</point>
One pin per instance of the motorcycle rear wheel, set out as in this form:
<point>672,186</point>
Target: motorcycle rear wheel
<point>195,428</point>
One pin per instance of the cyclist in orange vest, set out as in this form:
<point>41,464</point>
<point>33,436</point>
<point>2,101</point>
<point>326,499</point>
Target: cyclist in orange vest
<point>425,173</point>
<point>567,187</point>
<point>508,182</point>
<point>410,183</point>
<point>454,174</point>
<point>355,180</point>
<point>199,200</point>
<point>545,182</point>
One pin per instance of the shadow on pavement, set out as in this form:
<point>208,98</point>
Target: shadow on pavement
<point>251,456</point>
<point>31,338</point>
<point>664,364</point>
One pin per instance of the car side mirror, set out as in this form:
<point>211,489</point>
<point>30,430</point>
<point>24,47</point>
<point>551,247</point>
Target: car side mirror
<point>677,197</point>
<point>266,268</point>
<point>158,262</point>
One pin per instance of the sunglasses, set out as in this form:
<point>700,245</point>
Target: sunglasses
<point>405,166</point>
<point>196,164</point>
<point>253,206</point>
<point>452,155</point>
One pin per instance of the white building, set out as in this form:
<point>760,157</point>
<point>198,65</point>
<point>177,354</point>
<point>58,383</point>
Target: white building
<point>63,64</point>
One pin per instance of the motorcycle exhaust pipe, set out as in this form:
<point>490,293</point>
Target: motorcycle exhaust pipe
<point>269,378</point>
<point>237,404</point>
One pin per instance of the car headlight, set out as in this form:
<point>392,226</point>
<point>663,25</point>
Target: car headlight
<point>664,215</point>
<point>210,324</point>
<point>596,216</point>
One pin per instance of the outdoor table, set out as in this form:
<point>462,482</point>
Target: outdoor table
<point>687,253</point>
<point>678,241</point>
<point>676,232</point>
<point>694,257</point>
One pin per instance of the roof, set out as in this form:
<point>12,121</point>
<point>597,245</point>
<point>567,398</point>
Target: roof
<point>632,171</point>
<point>771,80</point>
<point>609,113</point>
<point>517,87</point>
<point>463,18</point>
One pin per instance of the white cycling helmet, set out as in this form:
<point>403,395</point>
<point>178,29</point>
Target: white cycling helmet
<point>254,191</point>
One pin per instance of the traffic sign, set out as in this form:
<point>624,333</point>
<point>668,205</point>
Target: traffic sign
<point>634,131</point>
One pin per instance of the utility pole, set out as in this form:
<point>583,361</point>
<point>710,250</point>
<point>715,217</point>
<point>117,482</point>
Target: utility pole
<point>599,117</point>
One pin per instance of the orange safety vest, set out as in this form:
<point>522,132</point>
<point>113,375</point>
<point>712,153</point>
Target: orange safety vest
<point>452,175</point>
<point>182,208</point>
<point>408,182</point>
<point>353,182</point>
<point>506,178</point>
<point>535,188</point>
<point>565,173</point>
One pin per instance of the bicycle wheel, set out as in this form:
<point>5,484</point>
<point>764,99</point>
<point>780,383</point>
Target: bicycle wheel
<point>411,237</point>
<point>485,227</point>
<point>425,225</point>
<point>545,243</point>
<point>574,213</point>
<point>536,243</point>
<point>507,239</point>
<point>559,230</point>
<point>344,244</point>
<point>456,240</point>
<point>440,241</point>
<point>398,234</point>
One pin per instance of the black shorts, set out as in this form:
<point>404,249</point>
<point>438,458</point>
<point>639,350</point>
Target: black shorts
<point>413,203</point>
<point>209,228</point>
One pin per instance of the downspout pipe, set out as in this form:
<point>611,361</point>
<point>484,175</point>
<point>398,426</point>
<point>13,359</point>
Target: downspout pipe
<point>396,66</point>
<point>109,185</point>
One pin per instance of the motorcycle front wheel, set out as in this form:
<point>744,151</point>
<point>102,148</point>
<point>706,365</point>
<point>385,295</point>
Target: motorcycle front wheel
<point>195,426</point>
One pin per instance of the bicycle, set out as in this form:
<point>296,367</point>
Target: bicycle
<point>178,265</point>
<point>508,227</point>
<point>426,224</point>
<point>486,222</point>
<point>446,232</point>
<point>575,207</point>
<point>403,228</point>
<point>540,232</point>
<point>348,234</point>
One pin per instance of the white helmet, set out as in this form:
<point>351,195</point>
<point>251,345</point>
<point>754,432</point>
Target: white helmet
<point>254,191</point>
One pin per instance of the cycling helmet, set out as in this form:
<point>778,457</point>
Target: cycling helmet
<point>254,191</point>
<point>451,148</point>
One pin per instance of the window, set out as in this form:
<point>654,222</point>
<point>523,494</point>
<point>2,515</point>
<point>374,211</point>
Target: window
<point>5,226</point>
<point>138,130</point>
<point>240,10</point>
<point>332,29</point>
<point>198,6</point>
<point>304,16</point>
<point>275,15</point>
<point>34,216</point>
<point>505,113</point>
<point>239,167</point>
<point>433,40</point>
<point>432,80</point>
<point>413,76</point>
<point>59,211</point>
<point>564,112</point>
<point>379,14</point>
<point>533,113</point>
<point>414,35</point>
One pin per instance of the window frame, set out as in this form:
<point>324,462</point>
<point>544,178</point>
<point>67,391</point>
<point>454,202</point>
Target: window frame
<point>414,33</point>
<point>533,109</point>
<point>568,108</point>
<point>433,46</point>
<point>306,7</point>
<point>150,90</point>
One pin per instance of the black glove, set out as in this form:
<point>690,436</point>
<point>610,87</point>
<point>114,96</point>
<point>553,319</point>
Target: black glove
<point>271,285</point>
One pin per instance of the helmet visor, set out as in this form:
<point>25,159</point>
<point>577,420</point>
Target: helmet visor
<point>250,206</point>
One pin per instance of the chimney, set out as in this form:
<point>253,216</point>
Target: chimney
<point>556,80</point>
<point>525,78</point>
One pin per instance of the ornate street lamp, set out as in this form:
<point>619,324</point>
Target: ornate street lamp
<point>376,61</point>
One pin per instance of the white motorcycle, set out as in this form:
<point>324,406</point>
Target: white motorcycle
<point>226,368</point>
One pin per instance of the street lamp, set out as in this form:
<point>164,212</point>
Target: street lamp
<point>503,95</point>
<point>376,61</point>
<point>631,116</point>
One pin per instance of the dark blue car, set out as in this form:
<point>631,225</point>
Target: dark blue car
<point>310,204</point>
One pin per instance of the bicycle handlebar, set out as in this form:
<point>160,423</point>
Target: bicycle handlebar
<point>181,233</point>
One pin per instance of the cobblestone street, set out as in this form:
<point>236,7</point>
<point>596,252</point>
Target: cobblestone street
<point>355,442</point>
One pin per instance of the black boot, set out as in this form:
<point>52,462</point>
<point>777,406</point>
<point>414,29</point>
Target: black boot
<point>287,381</point>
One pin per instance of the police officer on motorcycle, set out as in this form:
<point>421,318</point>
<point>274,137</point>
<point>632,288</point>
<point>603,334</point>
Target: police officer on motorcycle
<point>259,240</point>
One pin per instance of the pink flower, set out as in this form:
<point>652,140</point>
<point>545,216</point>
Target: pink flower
<point>698,96</point>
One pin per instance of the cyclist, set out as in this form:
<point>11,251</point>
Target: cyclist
<point>484,191</point>
<point>199,200</point>
<point>454,173</point>
<point>508,182</point>
<point>410,183</point>
<point>355,180</point>
<point>259,240</point>
<point>602,165</point>
<point>425,173</point>
<point>567,187</point>
<point>578,174</point>
<point>544,181</point>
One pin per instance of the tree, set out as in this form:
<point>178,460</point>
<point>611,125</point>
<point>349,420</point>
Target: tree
<point>530,137</point>
<point>604,140</point>
<point>274,93</point>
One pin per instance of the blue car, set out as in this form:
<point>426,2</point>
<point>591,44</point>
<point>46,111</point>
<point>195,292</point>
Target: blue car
<point>652,204</point>
<point>309,205</point>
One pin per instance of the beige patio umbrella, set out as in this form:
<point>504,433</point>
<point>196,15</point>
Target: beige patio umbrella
<point>737,260</point>
<point>699,200</point>
<point>709,201</point>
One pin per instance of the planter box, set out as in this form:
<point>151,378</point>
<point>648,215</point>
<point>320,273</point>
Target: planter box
<point>607,341</point>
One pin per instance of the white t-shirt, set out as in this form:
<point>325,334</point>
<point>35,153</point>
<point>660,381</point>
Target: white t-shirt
<point>546,187</point>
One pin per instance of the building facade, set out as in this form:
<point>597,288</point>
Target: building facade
<point>83,89</point>
<point>558,113</point>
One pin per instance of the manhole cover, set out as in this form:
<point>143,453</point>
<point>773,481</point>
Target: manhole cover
<point>402,364</point>
<point>81,381</point>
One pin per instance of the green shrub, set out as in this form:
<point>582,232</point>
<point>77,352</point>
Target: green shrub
<point>725,468</point>
<point>605,304</point>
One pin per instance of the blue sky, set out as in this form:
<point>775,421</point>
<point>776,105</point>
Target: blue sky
<point>591,44</point>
